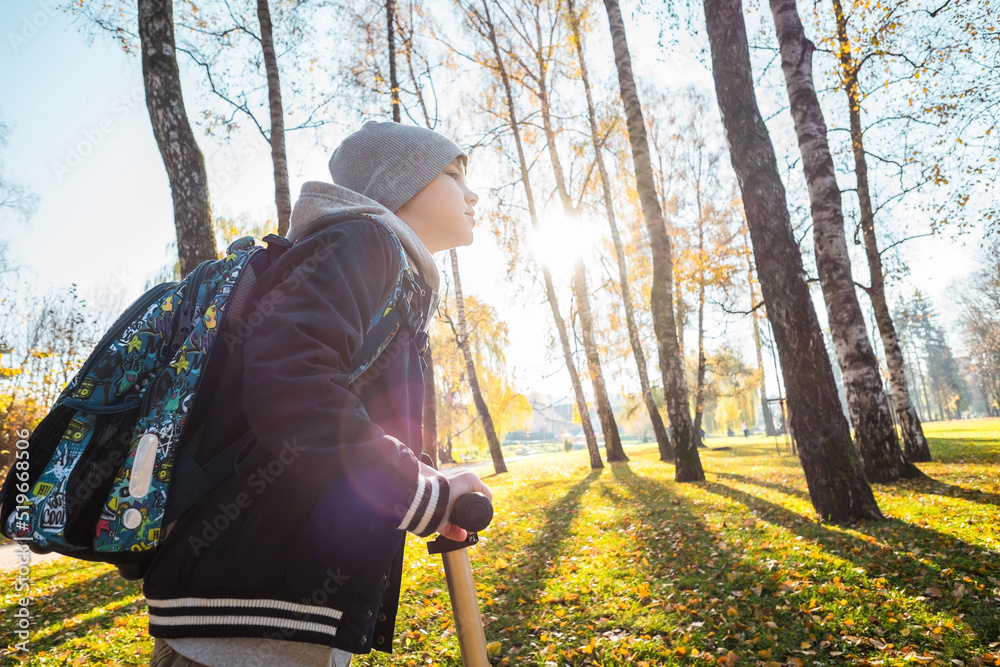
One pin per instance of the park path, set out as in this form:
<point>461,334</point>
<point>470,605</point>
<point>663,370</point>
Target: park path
<point>9,557</point>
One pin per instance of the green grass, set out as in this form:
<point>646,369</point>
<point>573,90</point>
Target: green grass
<point>622,567</point>
<point>81,613</point>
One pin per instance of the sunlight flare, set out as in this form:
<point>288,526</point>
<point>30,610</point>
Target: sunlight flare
<point>561,240</point>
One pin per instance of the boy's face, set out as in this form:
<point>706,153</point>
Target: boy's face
<point>442,214</point>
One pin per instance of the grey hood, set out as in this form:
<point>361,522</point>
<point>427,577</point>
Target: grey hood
<point>318,199</point>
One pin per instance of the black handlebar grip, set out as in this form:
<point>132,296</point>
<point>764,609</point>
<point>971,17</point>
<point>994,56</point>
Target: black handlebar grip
<point>473,512</point>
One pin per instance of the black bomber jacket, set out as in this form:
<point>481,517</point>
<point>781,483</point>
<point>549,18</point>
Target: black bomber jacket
<point>307,546</point>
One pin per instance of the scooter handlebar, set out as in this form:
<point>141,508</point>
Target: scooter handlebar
<point>473,512</point>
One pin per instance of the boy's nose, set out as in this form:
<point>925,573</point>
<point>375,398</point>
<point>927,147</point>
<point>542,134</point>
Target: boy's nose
<point>472,198</point>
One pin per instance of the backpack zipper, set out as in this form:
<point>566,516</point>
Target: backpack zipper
<point>193,280</point>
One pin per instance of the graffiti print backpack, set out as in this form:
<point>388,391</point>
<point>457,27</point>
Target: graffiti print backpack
<point>101,463</point>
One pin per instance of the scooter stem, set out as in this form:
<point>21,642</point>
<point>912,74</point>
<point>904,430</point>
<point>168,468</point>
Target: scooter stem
<point>465,606</point>
<point>473,512</point>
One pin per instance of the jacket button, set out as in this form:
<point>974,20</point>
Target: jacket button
<point>380,640</point>
<point>384,577</point>
<point>364,639</point>
<point>369,614</point>
<point>381,618</point>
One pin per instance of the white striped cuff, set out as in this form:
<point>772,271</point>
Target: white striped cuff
<point>426,511</point>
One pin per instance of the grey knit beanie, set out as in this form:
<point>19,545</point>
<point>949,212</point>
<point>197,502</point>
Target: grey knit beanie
<point>390,162</point>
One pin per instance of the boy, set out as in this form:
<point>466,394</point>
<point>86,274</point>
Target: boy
<point>298,562</point>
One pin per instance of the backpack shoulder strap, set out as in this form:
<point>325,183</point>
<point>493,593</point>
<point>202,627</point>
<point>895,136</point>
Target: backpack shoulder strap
<point>400,307</point>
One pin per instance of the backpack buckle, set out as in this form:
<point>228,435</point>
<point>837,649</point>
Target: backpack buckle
<point>274,239</point>
<point>422,340</point>
<point>412,312</point>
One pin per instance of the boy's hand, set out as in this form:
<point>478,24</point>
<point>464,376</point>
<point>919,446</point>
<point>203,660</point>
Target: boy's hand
<point>460,481</point>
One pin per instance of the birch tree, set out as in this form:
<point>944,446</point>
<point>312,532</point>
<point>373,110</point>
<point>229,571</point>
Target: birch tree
<point>394,103</point>
<point>868,407</point>
<point>232,46</point>
<point>926,79</point>
<point>702,231</point>
<point>181,156</point>
<point>686,459</point>
<point>533,71</point>
<point>404,28</point>
<point>218,35</point>
<point>914,443</point>
<point>462,340</point>
<point>429,440</point>
<point>659,430</point>
<point>487,342</point>
<point>765,407</point>
<point>276,137</point>
<point>837,485</point>
<point>479,19</point>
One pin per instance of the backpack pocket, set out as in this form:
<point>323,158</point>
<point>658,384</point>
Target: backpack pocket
<point>88,485</point>
<point>42,445</point>
<point>72,449</point>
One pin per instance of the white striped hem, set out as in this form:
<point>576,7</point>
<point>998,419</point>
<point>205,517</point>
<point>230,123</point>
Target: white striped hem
<point>268,621</point>
<point>431,506</point>
<point>415,504</point>
<point>254,603</point>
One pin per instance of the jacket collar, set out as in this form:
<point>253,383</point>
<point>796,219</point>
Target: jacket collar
<point>318,199</point>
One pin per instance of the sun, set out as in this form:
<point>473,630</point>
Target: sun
<point>560,240</point>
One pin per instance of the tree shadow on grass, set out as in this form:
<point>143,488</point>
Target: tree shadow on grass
<point>53,568</point>
<point>529,566</point>
<point>694,560</point>
<point>704,590</point>
<point>939,488</point>
<point>943,562</point>
<point>781,488</point>
<point>691,570</point>
<point>69,599</point>
<point>924,485</point>
<point>964,449</point>
<point>93,625</point>
<point>75,600</point>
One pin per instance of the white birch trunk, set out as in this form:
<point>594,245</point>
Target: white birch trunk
<point>874,432</point>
